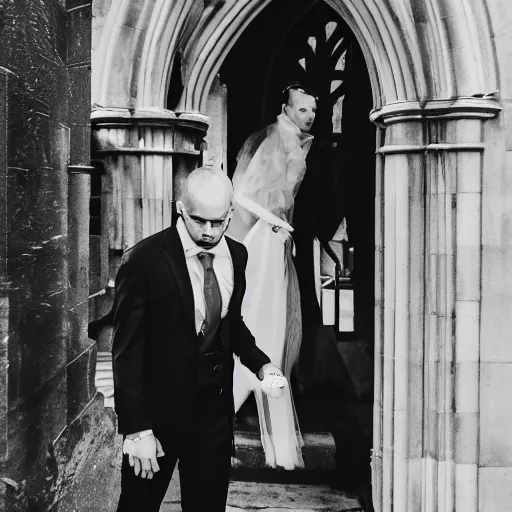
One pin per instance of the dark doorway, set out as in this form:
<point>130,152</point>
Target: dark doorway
<point>308,41</point>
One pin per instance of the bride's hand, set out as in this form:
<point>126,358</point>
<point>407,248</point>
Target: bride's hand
<point>282,233</point>
<point>285,236</point>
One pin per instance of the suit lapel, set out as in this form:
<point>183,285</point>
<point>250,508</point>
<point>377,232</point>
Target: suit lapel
<point>237,275</point>
<point>175,257</point>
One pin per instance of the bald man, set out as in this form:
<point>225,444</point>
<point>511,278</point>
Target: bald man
<point>177,324</point>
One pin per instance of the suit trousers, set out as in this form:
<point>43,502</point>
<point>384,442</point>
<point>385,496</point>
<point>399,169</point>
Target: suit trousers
<point>204,463</point>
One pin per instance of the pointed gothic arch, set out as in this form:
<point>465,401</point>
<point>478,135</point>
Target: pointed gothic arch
<point>432,66</point>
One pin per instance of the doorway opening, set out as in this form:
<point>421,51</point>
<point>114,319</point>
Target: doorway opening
<point>300,40</point>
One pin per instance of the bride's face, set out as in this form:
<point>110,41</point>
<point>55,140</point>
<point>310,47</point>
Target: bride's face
<point>301,109</point>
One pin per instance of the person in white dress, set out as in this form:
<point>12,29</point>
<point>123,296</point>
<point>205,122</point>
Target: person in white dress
<point>270,169</point>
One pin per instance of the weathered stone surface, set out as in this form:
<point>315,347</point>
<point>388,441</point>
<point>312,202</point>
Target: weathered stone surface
<point>33,426</point>
<point>495,489</point>
<point>80,382</point>
<point>79,35</point>
<point>87,456</point>
<point>257,496</point>
<point>35,140</point>
<point>319,451</point>
<point>495,415</point>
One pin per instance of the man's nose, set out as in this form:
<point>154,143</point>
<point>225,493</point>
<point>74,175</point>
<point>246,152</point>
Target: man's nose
<point>207,228</point>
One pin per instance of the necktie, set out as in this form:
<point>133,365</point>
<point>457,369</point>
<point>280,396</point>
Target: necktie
<point>212,296</point>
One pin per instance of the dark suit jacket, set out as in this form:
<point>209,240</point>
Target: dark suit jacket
<point>155,343</point>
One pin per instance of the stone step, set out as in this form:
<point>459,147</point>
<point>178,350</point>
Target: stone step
<point>273,497</point>
<point>252,496</point>
<point>318,452</point>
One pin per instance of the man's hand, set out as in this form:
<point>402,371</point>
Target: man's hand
<point>142,449</point>
<point>269,369</point>
<point>272,380</point>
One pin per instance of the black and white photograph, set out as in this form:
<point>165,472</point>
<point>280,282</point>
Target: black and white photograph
<point>256,256</point>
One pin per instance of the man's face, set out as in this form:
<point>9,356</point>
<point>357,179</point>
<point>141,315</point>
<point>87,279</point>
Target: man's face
<point>205,223</point>
<point>301,109</point>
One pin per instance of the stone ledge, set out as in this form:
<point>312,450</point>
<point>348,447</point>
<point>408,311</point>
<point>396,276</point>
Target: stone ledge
<point>319,450</point>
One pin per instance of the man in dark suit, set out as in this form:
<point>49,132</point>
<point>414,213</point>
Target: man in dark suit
<point>177,324</point>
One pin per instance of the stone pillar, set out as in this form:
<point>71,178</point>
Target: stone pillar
<point>399,316</point>
<point>428,251</point>
<point>146,156</point>
<point>81,350</point>
<point>217,137</point>
<point>452,316</point>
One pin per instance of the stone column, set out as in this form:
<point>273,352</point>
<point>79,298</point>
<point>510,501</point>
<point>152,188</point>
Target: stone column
<point>399,315</point>
<point>81,350</point>
<point>452,315</point>
<point>146,155</point>
<point>428,251</point>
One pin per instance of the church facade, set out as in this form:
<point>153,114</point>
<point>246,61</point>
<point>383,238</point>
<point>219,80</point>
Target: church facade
<point>441,81</point>
<point>441,89</point>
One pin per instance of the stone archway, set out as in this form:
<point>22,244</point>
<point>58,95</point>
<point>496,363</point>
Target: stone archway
<point>432,65</point>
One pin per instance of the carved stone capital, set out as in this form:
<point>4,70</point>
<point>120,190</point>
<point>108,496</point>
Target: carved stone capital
<point>459,108</point>
<point>158,131</point>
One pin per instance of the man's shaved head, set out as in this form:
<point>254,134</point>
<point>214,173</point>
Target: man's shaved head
<point>207,187</point>
<point>206,205</point>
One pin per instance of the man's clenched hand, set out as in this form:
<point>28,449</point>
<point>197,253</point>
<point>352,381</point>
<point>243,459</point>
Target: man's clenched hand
<point>272,380</point>
<point>142,455</point>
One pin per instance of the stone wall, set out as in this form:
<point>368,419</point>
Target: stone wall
<point>46,358</point>
<point>495,438</point>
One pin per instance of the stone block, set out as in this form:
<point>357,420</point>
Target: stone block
<point>467,331</point>
<point>80,144</point>
<point>38,108</point>
<point>494,489</point>
<point>43,226</point>
<point>38,277</point>
<point>495,344</point>
<point>466,438</point>
<point>495,414</point>
<point>4,375</point>
<point>87,455</point>
<point>468,167</point>
<point>79,87</point>
<point>468,247</point>
<point>78,330</point>
<point>79,35</point>
<point>506,121</point>
<point>466,487</point>
<point>95,281</point>
<point>37,349</point>
<point>466,387</point>
<point>34,424</point>
<point>502,47</point>
<point>80,382</point>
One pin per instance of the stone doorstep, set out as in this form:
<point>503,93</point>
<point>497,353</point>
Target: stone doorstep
<point>270,497</point>
<point>319,451</point>
<point>249,496</point>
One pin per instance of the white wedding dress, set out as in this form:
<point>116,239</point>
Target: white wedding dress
<point>271,166</point>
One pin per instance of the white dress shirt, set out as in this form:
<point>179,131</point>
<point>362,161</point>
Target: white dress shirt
<point>222,266</point>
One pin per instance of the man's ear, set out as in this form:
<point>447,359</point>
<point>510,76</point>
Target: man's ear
<point>283,108</point>
<point>179,207</point>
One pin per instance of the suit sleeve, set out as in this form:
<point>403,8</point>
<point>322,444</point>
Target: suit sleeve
<point>244,344</point>
<point>128,348</point>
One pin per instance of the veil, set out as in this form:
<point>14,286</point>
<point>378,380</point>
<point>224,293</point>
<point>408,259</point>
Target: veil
<point>271,167</point>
